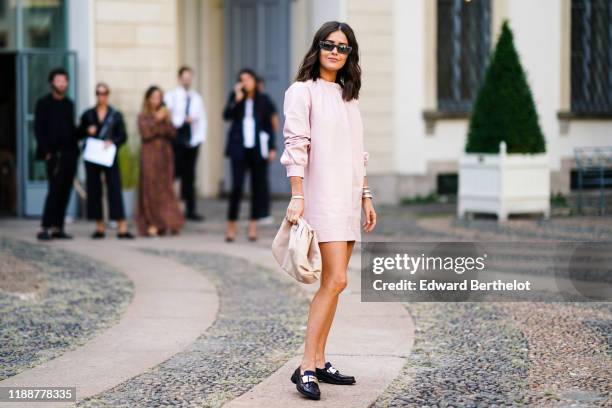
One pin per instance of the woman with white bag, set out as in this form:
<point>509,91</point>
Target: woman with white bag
<point>325,162</point>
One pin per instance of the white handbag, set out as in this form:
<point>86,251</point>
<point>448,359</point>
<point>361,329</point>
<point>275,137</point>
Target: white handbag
<point>296,250</point>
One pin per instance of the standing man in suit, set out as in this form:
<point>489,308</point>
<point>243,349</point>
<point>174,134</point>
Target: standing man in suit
<point>189,118</point>
<point>56,144</point>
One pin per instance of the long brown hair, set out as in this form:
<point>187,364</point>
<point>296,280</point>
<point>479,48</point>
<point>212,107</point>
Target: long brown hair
<point>349,76</point>
<point>146,106</point>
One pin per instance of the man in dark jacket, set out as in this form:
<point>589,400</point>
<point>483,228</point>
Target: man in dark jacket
<point>57,145</point>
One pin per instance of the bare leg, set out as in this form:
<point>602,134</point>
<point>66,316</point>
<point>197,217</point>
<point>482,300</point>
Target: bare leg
<point>152,231</point>
<point>320,357</point>
<point>333,282</point>
<point>252,228</point>
<point>100,227</point>
<point>122,226</point>
<point>231,230</point>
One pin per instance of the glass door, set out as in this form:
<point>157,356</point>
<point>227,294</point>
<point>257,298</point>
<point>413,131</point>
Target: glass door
<point>33,68</point>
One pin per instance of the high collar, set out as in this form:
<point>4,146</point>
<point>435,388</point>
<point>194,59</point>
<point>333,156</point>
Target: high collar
<point>328,83</point>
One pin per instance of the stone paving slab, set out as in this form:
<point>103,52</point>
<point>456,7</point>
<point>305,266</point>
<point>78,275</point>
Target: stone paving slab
<point>373,373</point>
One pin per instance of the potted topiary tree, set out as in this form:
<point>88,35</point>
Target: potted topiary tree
<point>505,166</point>
<point>129,166</point>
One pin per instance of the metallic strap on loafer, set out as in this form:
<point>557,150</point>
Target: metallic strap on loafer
<point>309,378</point>
<point>332,370</point>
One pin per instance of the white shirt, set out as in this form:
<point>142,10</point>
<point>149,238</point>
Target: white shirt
<point>176,101</point>
<point>248,124</point>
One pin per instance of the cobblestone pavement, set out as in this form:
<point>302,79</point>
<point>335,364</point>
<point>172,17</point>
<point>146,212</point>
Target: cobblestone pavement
<point>52,301</point>
<point>258,328</point>
<point>491,354</point>
<point>504,354</point>
<point>465,354</point>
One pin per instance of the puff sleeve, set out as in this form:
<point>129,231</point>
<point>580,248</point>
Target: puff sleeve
<point>296,129</point>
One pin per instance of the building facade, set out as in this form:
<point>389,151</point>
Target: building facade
<point>422,63</point>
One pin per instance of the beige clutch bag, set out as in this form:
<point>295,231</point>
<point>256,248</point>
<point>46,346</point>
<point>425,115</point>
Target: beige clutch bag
<point>296,250</point>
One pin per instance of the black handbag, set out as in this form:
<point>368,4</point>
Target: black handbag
<point>183,135</point>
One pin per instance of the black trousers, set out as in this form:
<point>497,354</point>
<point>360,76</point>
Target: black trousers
<point>61,169</point>
<point>259,185</point>
<point>185,159</point>
<point>113,189</point>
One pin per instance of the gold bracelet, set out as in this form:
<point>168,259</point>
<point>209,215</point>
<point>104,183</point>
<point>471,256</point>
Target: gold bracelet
<point>298,196</point>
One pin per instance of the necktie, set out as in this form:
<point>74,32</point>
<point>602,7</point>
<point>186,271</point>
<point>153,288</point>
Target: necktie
<point>187,125</point>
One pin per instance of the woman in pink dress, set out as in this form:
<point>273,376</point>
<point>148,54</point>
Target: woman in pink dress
<point>325,162</point>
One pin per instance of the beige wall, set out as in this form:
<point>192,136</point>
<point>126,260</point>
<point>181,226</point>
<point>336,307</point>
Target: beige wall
<point>200,34</point>
<point>135,46</point>
<point>372,22</point>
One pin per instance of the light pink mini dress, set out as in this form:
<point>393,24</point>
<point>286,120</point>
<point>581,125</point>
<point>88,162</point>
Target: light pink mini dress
<point>324,145</point>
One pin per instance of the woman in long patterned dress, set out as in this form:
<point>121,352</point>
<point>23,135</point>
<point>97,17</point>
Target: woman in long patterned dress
<point>158,207</point>
<point>325,163</point>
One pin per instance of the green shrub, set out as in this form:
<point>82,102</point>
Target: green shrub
<point>129,166</point>
<point>504,108</point>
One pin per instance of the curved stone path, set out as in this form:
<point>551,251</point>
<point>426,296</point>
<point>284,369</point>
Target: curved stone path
<point>63,301</point>
<point>172,306</point>
<point>257,329</point>
<point>372,340</point>
<point>245,356</point>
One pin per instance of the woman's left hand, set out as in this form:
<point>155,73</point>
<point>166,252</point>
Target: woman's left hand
<point>370,215</point>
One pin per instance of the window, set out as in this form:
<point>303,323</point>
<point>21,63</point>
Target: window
<point>44,23</point>
<point>591,57</point>
<point>463,46</point>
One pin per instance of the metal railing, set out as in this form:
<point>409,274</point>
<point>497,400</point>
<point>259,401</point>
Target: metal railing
<point>593,166</point>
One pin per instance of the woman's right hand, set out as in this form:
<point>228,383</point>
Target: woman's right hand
<point>238,91</point>
<point>295,209</point>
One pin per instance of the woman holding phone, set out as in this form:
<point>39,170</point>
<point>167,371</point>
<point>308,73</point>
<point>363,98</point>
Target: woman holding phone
<point>250,147</point>
<point>158,207</point>
<point>325,162</point>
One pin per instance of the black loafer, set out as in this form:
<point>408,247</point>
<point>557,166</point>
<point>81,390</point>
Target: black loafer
<point>60,235</point>
<point>98,235</point>
<point>331,375</point>
<point>306,384</point>
<point>44,236</point>
<point>125,235</point>
<point>195,217</point>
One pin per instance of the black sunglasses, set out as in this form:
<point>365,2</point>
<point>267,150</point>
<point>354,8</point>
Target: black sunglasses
<point>329,46</point>
<point>101,93</point>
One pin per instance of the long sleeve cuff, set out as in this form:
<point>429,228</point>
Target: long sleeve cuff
<point>295,170</point>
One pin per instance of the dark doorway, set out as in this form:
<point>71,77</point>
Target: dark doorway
<point>257,37</point>
<point>8,134</point>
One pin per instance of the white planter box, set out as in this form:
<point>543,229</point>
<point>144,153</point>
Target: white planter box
<point>504,184</point>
